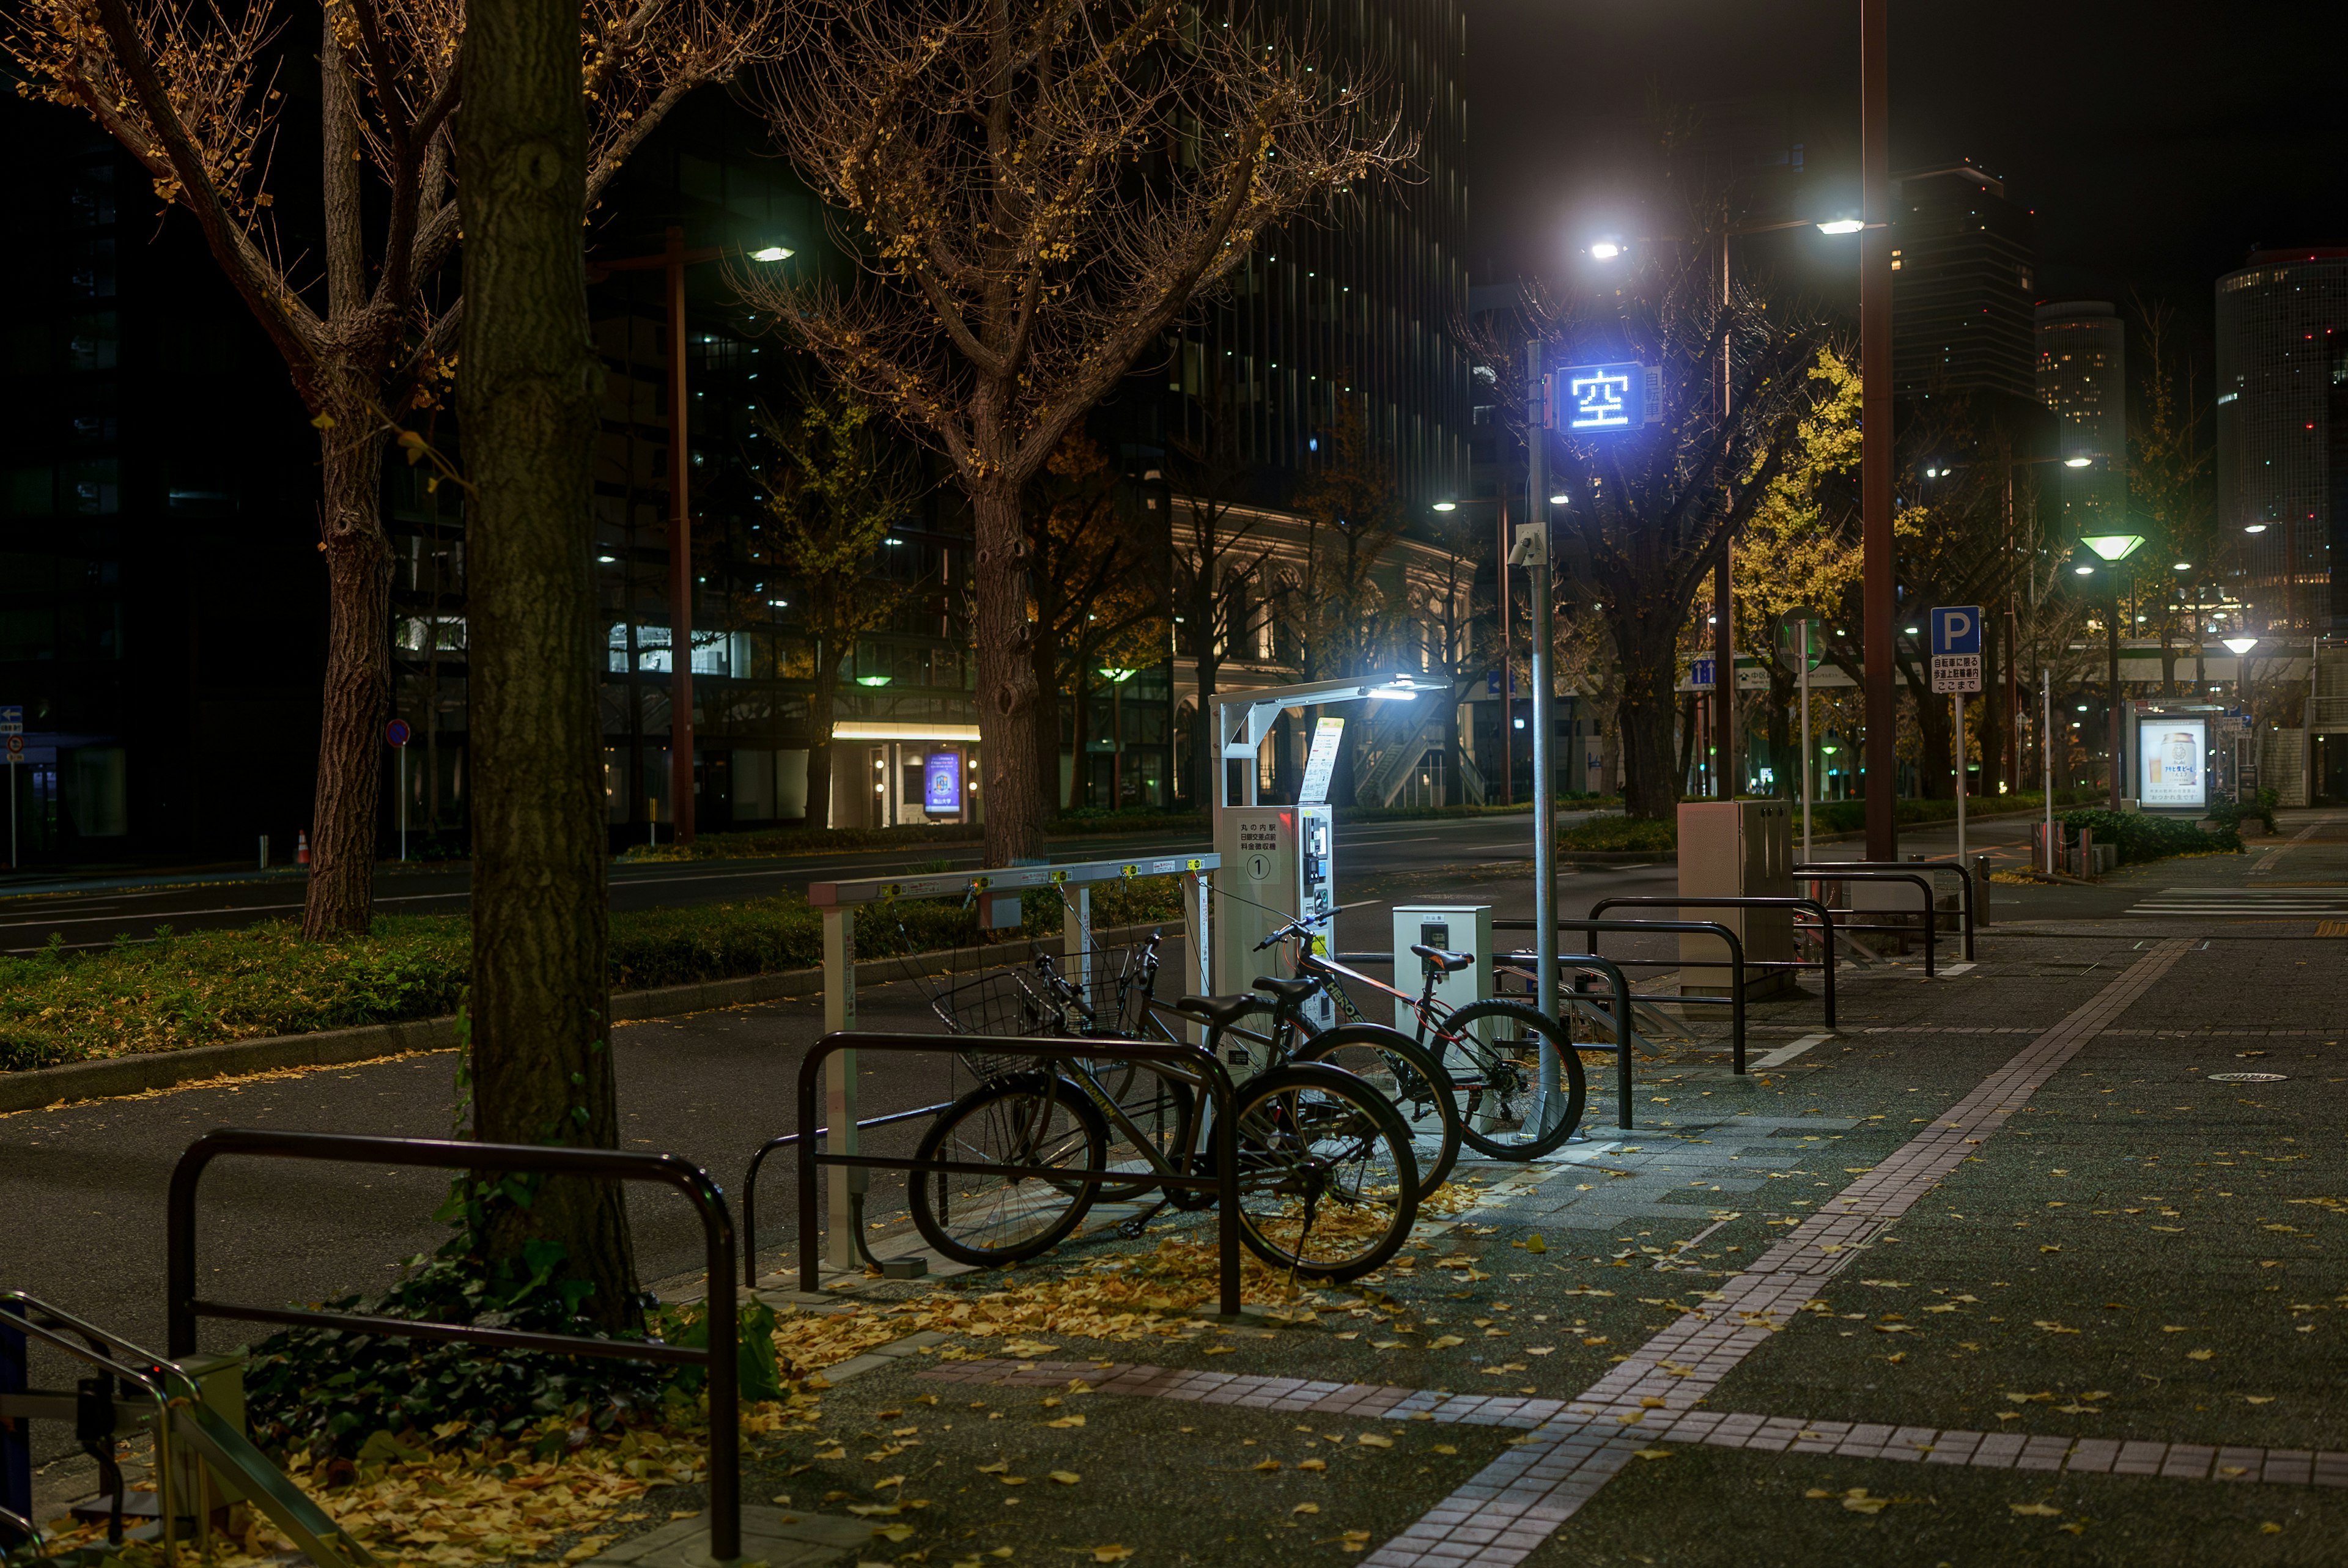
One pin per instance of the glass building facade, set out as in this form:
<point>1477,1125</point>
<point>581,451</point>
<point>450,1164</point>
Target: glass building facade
<point>2282,329</point>
<point>2082,379</point>
<point>1964,270</point>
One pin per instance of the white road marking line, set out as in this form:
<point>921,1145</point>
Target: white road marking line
<point>1786,1053</point>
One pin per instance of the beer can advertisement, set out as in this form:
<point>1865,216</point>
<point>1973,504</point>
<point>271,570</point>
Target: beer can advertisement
<point>2173,762</point>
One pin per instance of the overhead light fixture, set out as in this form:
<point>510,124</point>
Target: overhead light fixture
<point>2183,566</point>
<point>1606,250</point>
<point>1561,500</point>
<point>773,253</point>
<point>2254,528</point>
<point>607,560</point>
<point>873,680</point>
<point>2237,646</point>
<point>1446,505</point>
<point>1842,226</point>
<point>2116,545</point>
<point>780,603</point>
<point>2083,570</point>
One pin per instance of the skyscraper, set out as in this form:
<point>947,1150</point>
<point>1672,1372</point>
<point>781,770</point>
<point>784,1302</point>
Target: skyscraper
<point>1962,274</point>
<point>2083,377</point>
<point>2282,327</point>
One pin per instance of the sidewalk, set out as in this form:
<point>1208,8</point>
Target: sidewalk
<point>2000,1273</point>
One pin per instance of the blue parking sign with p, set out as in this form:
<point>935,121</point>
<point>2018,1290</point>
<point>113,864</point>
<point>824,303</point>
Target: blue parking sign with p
<point>1957,629</point>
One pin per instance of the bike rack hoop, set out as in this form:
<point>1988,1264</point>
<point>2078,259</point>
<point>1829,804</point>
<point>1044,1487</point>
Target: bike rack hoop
<point>1972,894</point>
<point>1923,886</point>
<point>182,1307</point>
<point>1211,1073</point>
<point>1815,908</point>
<point>1735,961</point>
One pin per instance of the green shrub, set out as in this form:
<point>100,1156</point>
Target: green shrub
<point>2258,808</point>
<point>2142,837</point>
<point>1619,835</point>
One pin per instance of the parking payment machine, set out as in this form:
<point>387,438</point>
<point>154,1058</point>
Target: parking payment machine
<point>1276,867</point>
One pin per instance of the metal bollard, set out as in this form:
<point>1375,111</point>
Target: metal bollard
<point>1980,890</point>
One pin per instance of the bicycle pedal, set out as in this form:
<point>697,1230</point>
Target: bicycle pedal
<point>1132,1229</point>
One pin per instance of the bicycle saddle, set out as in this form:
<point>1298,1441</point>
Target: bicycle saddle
<point>1450,963</point>
<point>1286,993</point>
<point>1220,1012</point>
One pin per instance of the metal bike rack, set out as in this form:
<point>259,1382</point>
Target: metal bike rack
<point>1972,894</point>
<point>182,1307</point>
<point>1617,1013</point>
<point>1224,1183</point>
<point>1826,965</point>
<point>177,1415</point>
<point>1736,962</point>
<point>750,1180</point>
<point>837,903</point>
<point>1923,884</point>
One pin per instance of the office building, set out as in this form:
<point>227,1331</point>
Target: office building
<point>2083,380</point>
<point>2282,328</point>
<point>1963,273</point>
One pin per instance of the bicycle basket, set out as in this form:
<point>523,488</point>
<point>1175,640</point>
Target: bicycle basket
<point>998,1002</point>
<point>1108,989</point>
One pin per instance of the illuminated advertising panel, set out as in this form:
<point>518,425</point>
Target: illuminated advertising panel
<point>2172,761</point>
<point>942,784</point>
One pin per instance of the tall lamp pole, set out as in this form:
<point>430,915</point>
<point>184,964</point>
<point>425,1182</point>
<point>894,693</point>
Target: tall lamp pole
<point>673,259</point>
<point>1875,419</point>
<point>1534,552</point>
<point>2113,547</point>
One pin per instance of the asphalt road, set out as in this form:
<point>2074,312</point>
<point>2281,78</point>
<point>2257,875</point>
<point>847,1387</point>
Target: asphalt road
<point>95,914</point>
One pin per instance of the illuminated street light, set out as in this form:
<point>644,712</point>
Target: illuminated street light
<point>2084,570</point>
<point>1561,500</point>
<point>2117,546</point>
<point>1606,250</point>
<point>1446,505</point>
<point>2254,528</point>
<point>1842,226</point>
<point>2183,566</point>
<point>2078,462</point>
<point>2237,646</point>
<point>773,253</point>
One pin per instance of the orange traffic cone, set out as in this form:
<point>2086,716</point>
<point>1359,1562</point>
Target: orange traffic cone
<point>302,848</point>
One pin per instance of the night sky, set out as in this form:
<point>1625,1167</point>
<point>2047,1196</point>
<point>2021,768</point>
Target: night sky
<point>2156,142</point>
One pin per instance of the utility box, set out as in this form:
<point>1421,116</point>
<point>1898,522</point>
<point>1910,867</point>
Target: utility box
<point>1737,849</point>
<point>1454,928</point>
<point>1277,865</point>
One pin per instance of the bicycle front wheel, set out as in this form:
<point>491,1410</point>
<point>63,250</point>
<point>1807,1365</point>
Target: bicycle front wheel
<point>1407,1075</point>
<point>1328,1187</point>
<point>1495,1052</point>
<point>1032,1119</point>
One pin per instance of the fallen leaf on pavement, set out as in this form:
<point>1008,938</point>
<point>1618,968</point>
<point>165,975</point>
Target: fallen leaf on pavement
<point>1066,1422</point>
<point>1306,1508</point>
<point>1651,1453</point>
<point>1445,1342</point>
<point>2035,1509</point>
<point>2198,1355</point>
<point>1375,1441</point>
<point>1067,1477</point>
<point>1111,1553</point>
<point>1269,1465</point>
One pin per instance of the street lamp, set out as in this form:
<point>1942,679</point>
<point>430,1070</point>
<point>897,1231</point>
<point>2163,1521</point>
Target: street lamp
<point>673,258</point>
<point>2078,462</point>
<point>2114,546</point>
<point>2239,647</point>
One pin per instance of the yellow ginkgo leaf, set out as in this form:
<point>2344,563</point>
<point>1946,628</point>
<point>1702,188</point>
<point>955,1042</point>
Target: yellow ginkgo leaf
<point>2035,1509</point>
<point>1445,1342</point>
<point>1312,1464</point>
<point>999,1467</point>
<point>1375,1441</point>
<point>1444,1449</point>
<point>1651,1453</point>
<point>1111,1553</point>
<point>1067,1477</point>
<point>1306,1508</point>
<point>1213,1350</point>
<point>2198,1355</point>
<point>1066,1422</point>
<point>1270,1465</point>
<point>898,1533</point>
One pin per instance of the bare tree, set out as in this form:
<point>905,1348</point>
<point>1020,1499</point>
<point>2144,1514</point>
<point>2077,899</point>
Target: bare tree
<point>835,494</point>
<point>367,329</point>
<point>1652,508</point>
<point>2170,476</point>
<point>1038,189</point>
<point>1218,570</point>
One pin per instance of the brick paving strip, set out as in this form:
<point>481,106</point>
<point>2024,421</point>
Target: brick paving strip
<point>1501,1515</point>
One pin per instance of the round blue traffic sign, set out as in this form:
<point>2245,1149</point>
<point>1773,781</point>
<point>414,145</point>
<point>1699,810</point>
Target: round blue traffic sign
<point>397,732</point>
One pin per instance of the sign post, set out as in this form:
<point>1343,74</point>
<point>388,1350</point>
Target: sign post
<point>396,734</point>
<point>12,724</point>
<point>1797,647</point>
<point>1957,670</point>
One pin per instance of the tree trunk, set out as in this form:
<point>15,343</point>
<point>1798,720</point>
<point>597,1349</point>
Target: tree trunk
<point>1643,721</point>
<point>1785,731</point>
<point>822,703</point>
<point>1209,743</point>
<point>540,1007</point>
<point>1044,667</point>
<point>341,897</point>
<point>1007,693</point>
<point>1080,773</point>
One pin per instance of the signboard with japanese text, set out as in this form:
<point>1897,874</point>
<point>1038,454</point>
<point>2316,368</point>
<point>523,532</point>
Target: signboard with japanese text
<point>1599,399</point>
<point>2172,764</point>
<point>1321,762</point>
<point>942,784</point>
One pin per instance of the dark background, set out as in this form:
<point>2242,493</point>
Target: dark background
<point>2156,143</point>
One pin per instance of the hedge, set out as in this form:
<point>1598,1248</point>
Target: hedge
<point>207,987</point>
<point>2142,837</point>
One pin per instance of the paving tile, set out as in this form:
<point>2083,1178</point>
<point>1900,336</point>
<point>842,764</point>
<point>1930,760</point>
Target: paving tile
<point>2187,1461</point>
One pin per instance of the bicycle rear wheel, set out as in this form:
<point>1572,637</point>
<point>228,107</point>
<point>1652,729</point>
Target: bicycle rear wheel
<point>1328,1187</point>
<point>1498,1078</point>
<point>1407,1075</point>
<point>1024,1119</point>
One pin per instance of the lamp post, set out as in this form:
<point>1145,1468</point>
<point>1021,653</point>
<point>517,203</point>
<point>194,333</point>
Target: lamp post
<point>673,259</point>
<point>2113,547</point>
<point>2239,647</point>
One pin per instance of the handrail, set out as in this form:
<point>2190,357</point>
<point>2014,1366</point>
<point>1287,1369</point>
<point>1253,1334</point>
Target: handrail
<point>1931,910</point>
<point>182,1307</point>
<point>1826,965</point>
<point>750,1181</point>
<point>1735,963</point>
<point>1224,1183</point>
<point>1973,894</point>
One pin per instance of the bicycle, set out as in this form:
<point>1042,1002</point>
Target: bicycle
<point>1398,1067</point>
<point>1500,1110</point>
<point>1328,1185</point>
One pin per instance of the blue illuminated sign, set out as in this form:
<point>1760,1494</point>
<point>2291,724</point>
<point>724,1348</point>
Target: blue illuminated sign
<point>1592,399</point>
<point>941,782</point>
<point>1957,629</point>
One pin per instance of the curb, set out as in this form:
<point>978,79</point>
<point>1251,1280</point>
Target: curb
<point>39,1088</point>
